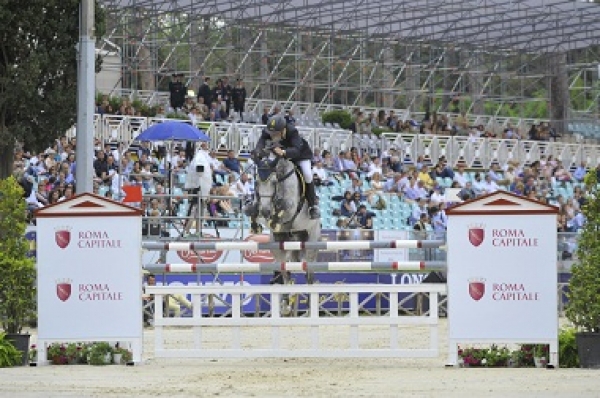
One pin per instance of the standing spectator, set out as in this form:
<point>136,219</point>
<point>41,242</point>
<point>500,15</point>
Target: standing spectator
<point>239,98</point>
<point>177,92</point>
<point>205,92</point>
<point>227,93</point>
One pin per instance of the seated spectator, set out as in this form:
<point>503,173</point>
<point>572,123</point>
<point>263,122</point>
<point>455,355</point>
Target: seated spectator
<point>320,175</point>
<point>231,164</point>
<point>375,189</point>
<point>439,219</point>
<point>422,226</point>
<point>437,197</point>
<point>364,217</point>
<point>580,172</point>
<point>348,206</point>
<point>478,184</point>
<point>215,211</point>
<point>467,193</point>
<point>461,176</point>
<point>495,174</point>
<point>374,167</point>
<point>241,187</point>
<point>425,178</point>
<point>489,185</point>
<point>328,160</point>
<point>317,156</point>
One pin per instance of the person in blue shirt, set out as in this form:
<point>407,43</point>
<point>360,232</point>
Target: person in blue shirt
<point>580,172</point>
<point>231,163</point>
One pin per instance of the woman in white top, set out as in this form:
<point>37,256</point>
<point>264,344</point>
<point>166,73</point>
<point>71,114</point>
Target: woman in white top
<point>376,188</point>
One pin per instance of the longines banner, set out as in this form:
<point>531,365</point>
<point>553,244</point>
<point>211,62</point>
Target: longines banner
<point>89,277</point>
<point>502,271</point>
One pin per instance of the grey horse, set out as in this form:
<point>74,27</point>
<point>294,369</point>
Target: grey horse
<point>283,206</point>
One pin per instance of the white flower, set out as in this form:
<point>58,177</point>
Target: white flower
<point>483,361</point>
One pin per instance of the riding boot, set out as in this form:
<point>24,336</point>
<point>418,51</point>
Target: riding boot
<point>311,197</point>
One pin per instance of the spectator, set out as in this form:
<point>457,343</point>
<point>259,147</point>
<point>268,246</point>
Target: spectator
<point>364,217</point>
<point>348,206</point>
<point>232,164</point>
<point>580,172</point>
<point>461,176</point>
<point>320,175</point>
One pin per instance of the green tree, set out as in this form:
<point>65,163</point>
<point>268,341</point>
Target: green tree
<point>583,308</point>
<point>38,72</point>
<point>17,281</point>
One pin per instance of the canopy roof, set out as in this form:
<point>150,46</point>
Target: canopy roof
<point>526,25</point>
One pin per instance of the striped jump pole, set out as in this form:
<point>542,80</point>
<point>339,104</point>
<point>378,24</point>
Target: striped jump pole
<point>395,266</point>
<point>255,246</point>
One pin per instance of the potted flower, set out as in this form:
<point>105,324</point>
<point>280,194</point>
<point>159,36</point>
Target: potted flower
<point>57,354</point>
<point>540,355</point>
<point>583,308</point>
<point>121,356</point>
<point>17,284</point>
<point>100,354</point>
<point>33,354</point>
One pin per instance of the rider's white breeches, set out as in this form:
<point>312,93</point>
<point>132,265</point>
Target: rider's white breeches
<point>306,168</point>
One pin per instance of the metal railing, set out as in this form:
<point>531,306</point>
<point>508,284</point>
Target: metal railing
<point>475,153</point>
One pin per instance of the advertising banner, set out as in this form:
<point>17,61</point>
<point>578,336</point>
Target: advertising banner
<point>89,275</point>
<point>502,276</point>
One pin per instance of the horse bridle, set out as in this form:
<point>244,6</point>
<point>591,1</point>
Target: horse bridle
<point>272,165</point>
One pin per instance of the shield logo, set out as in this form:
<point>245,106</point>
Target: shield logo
<point>63,290</point>
<point>62,238</point>
<point>476,236</point>
<point>476,289</point>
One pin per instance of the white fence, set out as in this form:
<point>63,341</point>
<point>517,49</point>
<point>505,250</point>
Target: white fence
<point>307,335</point>
<point>475,153</point>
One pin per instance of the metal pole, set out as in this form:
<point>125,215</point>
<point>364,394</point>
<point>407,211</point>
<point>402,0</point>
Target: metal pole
<point>85,98</point>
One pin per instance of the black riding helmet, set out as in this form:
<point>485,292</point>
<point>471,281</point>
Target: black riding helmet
<point>276,124</point>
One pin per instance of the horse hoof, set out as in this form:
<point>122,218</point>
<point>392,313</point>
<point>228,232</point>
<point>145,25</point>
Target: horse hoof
<point>286,310</point>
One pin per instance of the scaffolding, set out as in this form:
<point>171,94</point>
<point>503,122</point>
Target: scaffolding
<point>520,58</point>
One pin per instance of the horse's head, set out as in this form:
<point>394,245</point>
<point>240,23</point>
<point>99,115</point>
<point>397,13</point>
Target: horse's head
<point>278,190</point>
<point>287,195</point>
<point>266,182</point>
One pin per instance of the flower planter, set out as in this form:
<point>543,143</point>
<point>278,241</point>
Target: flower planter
<point>117,358</point>
<point>588,348</point>
<point>108,358</point>
<point>540,362</point>
<point>21,343</point>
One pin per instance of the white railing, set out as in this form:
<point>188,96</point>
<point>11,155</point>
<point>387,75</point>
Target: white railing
<point>475,153</point>
<point>274,335</point>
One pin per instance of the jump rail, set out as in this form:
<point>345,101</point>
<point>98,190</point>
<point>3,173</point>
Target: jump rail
<point>395,266</point>
<point>249,336</point>
<point>336,245</point>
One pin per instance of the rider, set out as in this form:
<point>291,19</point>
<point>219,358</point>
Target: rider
<point>294,148</point>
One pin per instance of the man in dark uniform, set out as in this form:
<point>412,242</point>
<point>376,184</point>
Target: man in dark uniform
<point>294,148</point>
<point>205,92</point>
<point>239,98</point>
<point>178,92</point>
<point>227,89</point>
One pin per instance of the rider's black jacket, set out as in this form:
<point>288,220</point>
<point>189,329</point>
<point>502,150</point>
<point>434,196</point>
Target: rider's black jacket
<point>296,148</point>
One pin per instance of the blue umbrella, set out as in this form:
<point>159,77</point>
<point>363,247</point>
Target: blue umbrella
<point>172,131</point>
